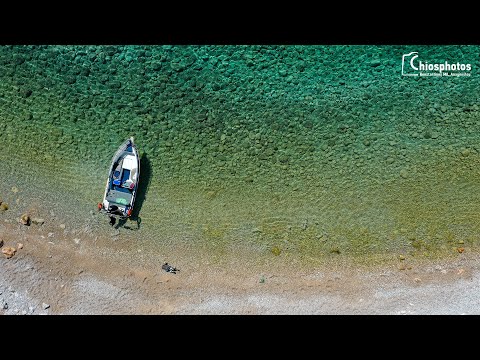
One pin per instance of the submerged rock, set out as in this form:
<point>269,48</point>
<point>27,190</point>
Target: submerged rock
<point>466,152</point>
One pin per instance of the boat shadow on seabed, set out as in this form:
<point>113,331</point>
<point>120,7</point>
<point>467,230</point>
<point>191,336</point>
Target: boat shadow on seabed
<point>143,185</point>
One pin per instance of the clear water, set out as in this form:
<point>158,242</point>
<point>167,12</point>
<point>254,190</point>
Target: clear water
<point>307,150</point>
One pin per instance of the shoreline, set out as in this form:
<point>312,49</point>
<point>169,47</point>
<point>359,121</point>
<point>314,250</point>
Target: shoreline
<point>102,277</point>
<point>81,265</point>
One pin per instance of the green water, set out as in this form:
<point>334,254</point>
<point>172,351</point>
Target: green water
<point>308,150</point>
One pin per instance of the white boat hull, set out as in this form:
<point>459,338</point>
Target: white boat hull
<point>122,182</point>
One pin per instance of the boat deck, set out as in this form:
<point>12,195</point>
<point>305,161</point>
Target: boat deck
<point>123,177</point>
<point>119,197</point>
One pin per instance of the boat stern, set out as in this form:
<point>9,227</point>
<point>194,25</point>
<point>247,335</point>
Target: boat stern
<point>116,209</point>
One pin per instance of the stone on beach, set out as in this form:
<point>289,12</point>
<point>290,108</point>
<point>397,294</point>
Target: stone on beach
<point>38,221</point>
<point>9,252</point>
<point>25,219</point>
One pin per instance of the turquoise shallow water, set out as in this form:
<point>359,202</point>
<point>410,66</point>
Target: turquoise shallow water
<point>302,149</point>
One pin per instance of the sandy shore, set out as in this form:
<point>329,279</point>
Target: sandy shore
<point>56,272</point>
